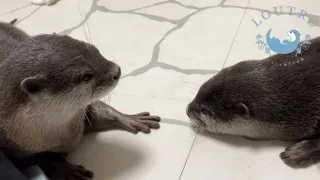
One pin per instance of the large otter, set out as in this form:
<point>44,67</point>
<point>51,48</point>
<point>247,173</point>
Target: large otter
<point>275,98</point>
<point>50,86</point>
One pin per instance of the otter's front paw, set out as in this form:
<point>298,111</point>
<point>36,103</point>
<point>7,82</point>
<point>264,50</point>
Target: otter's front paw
<point>71,172</point>
<point>140,122</point>
<point>300,153</point>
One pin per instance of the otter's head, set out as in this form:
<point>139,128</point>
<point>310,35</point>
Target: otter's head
<point>61,70</point>
<point>222,104</point>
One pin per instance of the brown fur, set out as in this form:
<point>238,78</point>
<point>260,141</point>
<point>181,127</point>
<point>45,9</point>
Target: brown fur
<point>50,86</point>
<point>275,98</point>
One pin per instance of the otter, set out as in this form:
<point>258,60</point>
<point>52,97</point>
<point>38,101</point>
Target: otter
<point>277,98</point>
<point>51,86</point>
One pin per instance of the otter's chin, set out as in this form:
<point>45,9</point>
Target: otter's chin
<point>100,92</point>
<point>197,125</point>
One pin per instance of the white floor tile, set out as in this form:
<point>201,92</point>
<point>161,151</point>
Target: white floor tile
<point>62,16</point>
<point>166,50</point>
<point>119,155</point>
<point>124,5</point>
<point>126,39</point>
<point>204,41</point>
<point>200,3</point>
<point>230,158</point>
<point>167,10</point>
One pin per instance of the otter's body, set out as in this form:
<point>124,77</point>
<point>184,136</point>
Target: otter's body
<point>50,86</point>
<point>275,98</point>
<point>283,101</point>
<point>22,121</point>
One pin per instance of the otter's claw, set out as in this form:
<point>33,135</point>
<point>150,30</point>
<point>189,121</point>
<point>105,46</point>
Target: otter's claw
<point>300,153</point>
<point>140,122</point>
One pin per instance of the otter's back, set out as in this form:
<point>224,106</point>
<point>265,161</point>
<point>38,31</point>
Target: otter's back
<point>10,38</point>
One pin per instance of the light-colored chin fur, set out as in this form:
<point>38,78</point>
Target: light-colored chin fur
<point>54,123</point>
<point>237,127</point>
<point>104,92</point>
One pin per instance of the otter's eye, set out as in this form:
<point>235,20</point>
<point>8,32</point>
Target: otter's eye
<point>86,77</point>
<point>205,111</point>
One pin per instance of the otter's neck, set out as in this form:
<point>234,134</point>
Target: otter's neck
<point>38,128</point>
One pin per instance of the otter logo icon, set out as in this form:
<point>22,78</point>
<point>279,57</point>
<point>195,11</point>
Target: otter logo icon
<point>287,46</point>
<point>283,45</point>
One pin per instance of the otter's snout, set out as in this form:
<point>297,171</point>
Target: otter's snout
<point>192,110</point>
<point>117,73</point>
<point>188,111</point>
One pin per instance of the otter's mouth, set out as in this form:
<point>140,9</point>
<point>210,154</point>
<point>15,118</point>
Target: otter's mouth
<point>102,89</point>
<point>197,125</point>
<point>108,80</point>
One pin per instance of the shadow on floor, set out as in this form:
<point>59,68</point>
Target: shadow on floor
<point>256,145</point>
<point>108,160</point>
<point>243,142</point>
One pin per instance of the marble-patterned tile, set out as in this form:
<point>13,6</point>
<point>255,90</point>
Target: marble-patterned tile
<point>119,155</point>
<point>161,83</point>
<point>204,40</point>
<point>169,10</point>
<point>172,88</point>
<point>127,39</point>
<point>19,12</point>
<point>190,53</point>
<point>124,5</point>
<point>244,47</point>
<point>230,158</point>
<point>238,3</point>
<point>8,7</point>
<point>61,16</point>
<point>200,3</point>
<point>309,6</point>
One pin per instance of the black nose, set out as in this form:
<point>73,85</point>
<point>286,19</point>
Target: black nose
<point>118,73</point>
<point>187,111</point>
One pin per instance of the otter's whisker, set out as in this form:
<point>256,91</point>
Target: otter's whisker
<point>83,20</point>
<point>192,83</point>
<point>191,92</point>
<point>67,102</point>
<point>89,32</point>
<point>87,118</point>
<point>108,99</point>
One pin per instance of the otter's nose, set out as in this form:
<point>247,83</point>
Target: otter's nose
<point>188,110</point>
<point>117,73</point>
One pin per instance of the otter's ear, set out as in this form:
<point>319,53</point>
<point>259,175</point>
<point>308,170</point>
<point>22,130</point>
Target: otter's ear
<point>32,85</point>
<point>241,109</point>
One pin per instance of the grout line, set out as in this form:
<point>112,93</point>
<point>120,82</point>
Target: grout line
<point>194,140</point>
<point>14,10</point>
<point>242,18</point>
<point>29,15</point>
<point>185,163</point>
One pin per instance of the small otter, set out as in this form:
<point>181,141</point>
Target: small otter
<point>50,91</point>
<point>277,98</point>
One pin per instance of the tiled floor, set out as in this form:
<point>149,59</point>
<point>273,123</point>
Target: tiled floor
<point>167,49</point>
